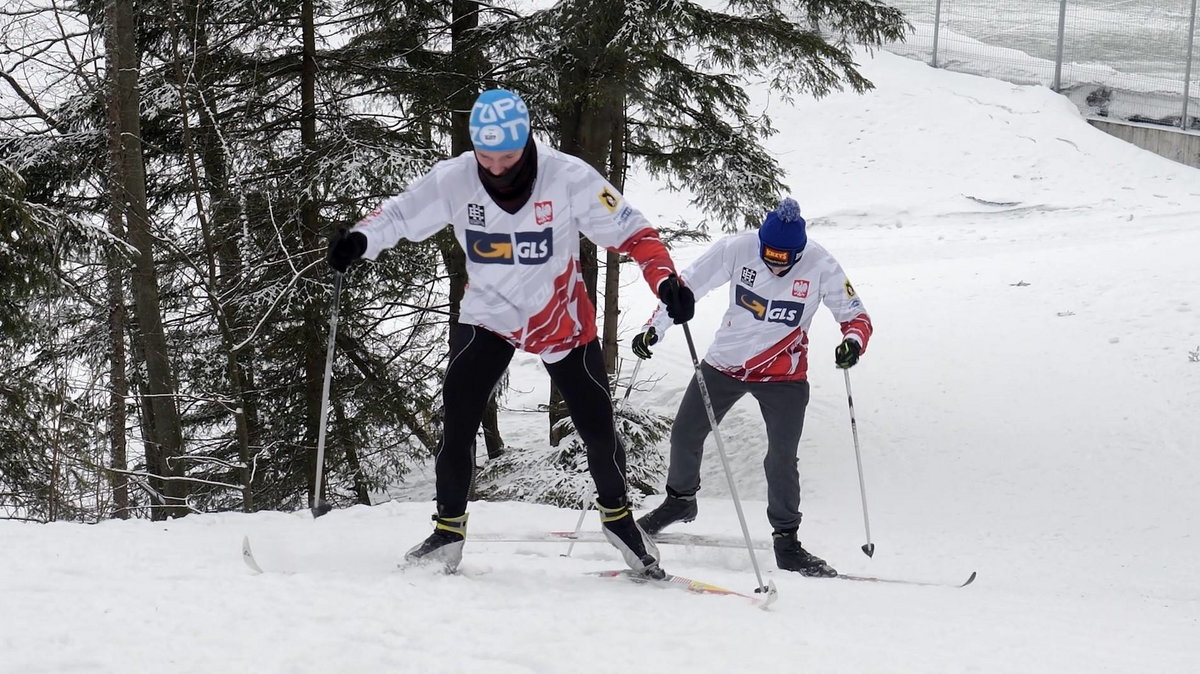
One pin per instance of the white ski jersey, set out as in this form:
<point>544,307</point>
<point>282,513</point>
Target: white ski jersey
<point>764,333</point>
<point>523,269</point>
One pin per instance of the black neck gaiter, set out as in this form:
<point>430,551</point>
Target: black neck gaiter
<point>512,189</point>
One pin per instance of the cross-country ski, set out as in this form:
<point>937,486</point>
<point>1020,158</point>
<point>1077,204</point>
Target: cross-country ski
<point>325,326</point>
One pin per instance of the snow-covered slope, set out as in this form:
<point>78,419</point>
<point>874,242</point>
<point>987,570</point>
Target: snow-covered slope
<point>1027,409</point>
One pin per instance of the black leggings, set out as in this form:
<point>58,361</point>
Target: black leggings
<point>478,357</point>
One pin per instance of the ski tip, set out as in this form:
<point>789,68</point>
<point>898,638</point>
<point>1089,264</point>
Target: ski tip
<point>970,580</point>
<point>248,556</point>
<point>869,549</point>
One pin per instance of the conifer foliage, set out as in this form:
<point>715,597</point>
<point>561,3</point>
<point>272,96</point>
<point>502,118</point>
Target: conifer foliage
<point>171,171</point>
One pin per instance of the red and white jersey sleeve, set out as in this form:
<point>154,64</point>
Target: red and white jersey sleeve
<point>612,223</point>
<point>523,268</point>
<point>764,333</point>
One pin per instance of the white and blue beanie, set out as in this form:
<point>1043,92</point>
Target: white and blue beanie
<point>781,239</point>
<point>499,121</point>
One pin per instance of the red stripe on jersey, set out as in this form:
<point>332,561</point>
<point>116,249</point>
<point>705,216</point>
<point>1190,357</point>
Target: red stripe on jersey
<point>650,254</point>
<point>785,360</point>
<point>567,321</point>
<point>860,326</point>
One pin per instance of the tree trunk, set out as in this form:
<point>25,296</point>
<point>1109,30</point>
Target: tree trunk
<point>362,493</point>
<point>118,383</point>
<point>213,290</point>
<point>129,180</point>
<point>316,323</point>
<point>491,429</point>
<point>591,123</point>
<point>226,220</point>
<point>468,63</point>
<point>612,261</point>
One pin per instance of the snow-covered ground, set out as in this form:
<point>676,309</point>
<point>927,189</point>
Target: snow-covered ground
<point>1028,408</point>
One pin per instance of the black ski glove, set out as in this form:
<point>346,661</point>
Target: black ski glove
<point>846,353</point>
<point>680,301</point>
<point>345,247</point>
<point>643,341</point>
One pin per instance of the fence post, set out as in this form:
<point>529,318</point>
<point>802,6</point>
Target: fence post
<point>1058,61</point>
<point>1187,70</point>
<point>937,22</point>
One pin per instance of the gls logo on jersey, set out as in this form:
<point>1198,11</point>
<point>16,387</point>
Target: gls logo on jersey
<point>777,311</point>
<point>535,247</point>
<point>530,247</point>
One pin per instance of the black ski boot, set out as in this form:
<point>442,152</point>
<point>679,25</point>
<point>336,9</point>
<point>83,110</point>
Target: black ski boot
<point>675,508</point>
<point>640,553</point>
<point>444,545</point>
<point>790,556</point>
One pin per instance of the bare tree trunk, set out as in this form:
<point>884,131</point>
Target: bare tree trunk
<point>468,62</point>
<point>129,179</point>
<point>591,123</point>
<point>56,453</point>
<point>491,429</point>
<point>316,324</point>
<point>118,383</point>
<point>612,261</point>
<point>225,212</point>
<point>232,367</point>
<point>362,494</point>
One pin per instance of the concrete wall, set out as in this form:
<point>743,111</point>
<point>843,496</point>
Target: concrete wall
<point>1181,146</point>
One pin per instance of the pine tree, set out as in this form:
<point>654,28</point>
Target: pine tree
<point>663,84</point>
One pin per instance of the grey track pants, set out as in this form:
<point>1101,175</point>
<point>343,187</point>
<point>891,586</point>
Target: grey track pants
<point>782,404</point>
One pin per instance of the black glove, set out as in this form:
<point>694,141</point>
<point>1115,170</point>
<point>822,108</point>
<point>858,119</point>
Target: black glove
<point>643,341</point>
<point>846,353</point>
<point>680,301</point>
<point>345,247</point>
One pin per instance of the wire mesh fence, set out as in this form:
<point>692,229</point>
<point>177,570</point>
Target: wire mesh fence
<point>1135,60</point>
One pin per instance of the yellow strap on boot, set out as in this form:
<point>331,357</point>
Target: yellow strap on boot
<point>611,514</point>
<point>455,525</point>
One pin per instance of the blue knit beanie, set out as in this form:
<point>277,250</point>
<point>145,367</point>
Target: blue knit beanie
<point>499,121</point>
<point>781,239</point>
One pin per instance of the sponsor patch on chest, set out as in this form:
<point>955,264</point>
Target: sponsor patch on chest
<point>748,276</point>
<point>518,248</point>
<point>771,311</point>
<point>543,212</point>
<point>800,289</point>
<point>475,215</point>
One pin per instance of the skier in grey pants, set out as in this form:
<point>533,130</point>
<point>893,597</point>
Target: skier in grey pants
<point>777,279</point>
<point>782,404</point>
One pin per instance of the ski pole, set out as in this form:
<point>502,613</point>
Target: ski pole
<point>712,422</point>
<point>869,548</point>
<point>319,506</point>
<point>620,405</point>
